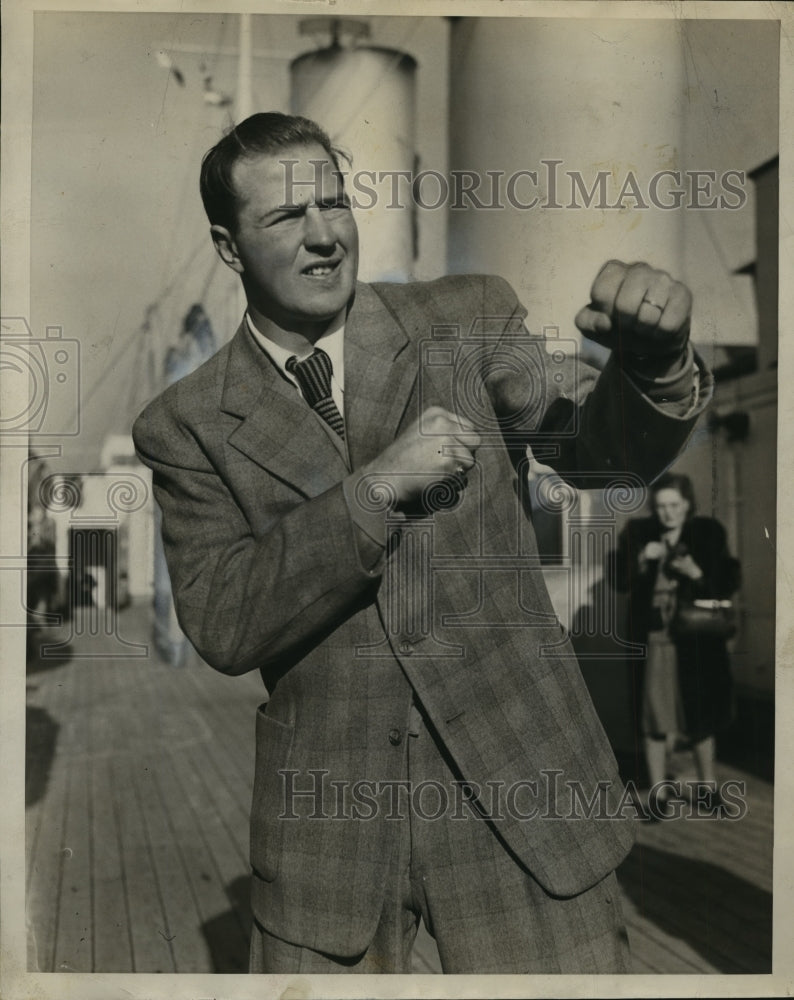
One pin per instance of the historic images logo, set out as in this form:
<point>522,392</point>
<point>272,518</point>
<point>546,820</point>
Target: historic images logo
<point>549,186</point>
<point>314,795</point>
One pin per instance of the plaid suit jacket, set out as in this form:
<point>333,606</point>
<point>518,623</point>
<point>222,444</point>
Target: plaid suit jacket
<point>266,571</point>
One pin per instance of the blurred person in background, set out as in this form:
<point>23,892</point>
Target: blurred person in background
<point>666,563</point>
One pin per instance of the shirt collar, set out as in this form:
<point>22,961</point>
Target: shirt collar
<point>332,342</point>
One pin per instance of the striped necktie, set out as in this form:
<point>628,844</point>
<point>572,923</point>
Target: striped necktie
<point>313,375</point>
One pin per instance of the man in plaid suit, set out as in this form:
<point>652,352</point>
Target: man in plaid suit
<point>341,490</point>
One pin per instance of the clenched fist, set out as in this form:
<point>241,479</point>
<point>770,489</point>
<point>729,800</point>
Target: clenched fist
<point>638,311</point>
<point>438,446</point>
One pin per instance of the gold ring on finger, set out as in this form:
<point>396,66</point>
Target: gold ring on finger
<point>656,305</point>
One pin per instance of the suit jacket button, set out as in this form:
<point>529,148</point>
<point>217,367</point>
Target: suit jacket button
<point>395,737</point>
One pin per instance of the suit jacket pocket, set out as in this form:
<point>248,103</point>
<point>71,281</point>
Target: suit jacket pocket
<point>273,748</point>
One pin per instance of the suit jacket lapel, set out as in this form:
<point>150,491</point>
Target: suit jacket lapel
<point>278,430</point>
<point>380,371</point>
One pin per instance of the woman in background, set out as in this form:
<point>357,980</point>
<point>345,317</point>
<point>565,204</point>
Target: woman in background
<point>663,561</point>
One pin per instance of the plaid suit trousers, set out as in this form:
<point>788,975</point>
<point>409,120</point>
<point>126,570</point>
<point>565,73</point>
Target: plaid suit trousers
<point>485,911</point>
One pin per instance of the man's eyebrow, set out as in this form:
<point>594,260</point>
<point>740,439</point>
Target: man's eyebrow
<point>330,199</point>
<point>278,209</point>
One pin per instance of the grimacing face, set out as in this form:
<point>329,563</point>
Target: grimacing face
<point>671,508</point>
<point>296,242</point>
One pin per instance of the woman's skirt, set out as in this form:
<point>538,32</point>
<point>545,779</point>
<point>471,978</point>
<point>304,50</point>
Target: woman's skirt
<point>662,706</point>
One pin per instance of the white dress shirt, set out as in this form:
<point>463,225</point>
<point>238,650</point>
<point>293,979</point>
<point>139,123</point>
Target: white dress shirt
<point>332,342</point>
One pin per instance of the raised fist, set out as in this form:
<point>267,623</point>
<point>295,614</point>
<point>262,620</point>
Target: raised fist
<point>638,311</point>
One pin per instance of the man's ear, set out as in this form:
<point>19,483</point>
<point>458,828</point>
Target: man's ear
<point>226,248</point>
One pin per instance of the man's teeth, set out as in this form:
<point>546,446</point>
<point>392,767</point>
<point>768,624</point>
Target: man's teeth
<point>319,270</point>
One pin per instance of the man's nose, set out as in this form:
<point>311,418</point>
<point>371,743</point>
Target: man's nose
<point>318,231</point>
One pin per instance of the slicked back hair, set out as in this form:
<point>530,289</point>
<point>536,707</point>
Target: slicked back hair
<point>267,132</point>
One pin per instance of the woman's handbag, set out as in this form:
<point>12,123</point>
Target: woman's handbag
<point>710,619</point>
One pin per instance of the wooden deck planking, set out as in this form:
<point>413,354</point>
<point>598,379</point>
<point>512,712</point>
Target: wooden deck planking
<point>233,731</point>
<point>657,953</point>
<point>166,757</point>
<point>180,908</point>
<point>74,939</point>
<point>697,921</point>
<point>226,797</point>
<point>230,730</point>
<point>71,943</point>
<point>180,858</point>
<point>186,826</point>
<point>224,762</point>
<point>111,925</point>
<point>45,872</point>
<point>217,815</point>
<point>226,918</point>
<point>706,845</point>
<point>216,776</point>
<point>184,814</point>
<point>151,947</point>
<point>708,882</point>
<point>677,868</point>
<point>43,825</point>
<point>112,723</point>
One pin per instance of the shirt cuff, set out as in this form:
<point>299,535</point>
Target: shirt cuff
<point>675,390</point>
